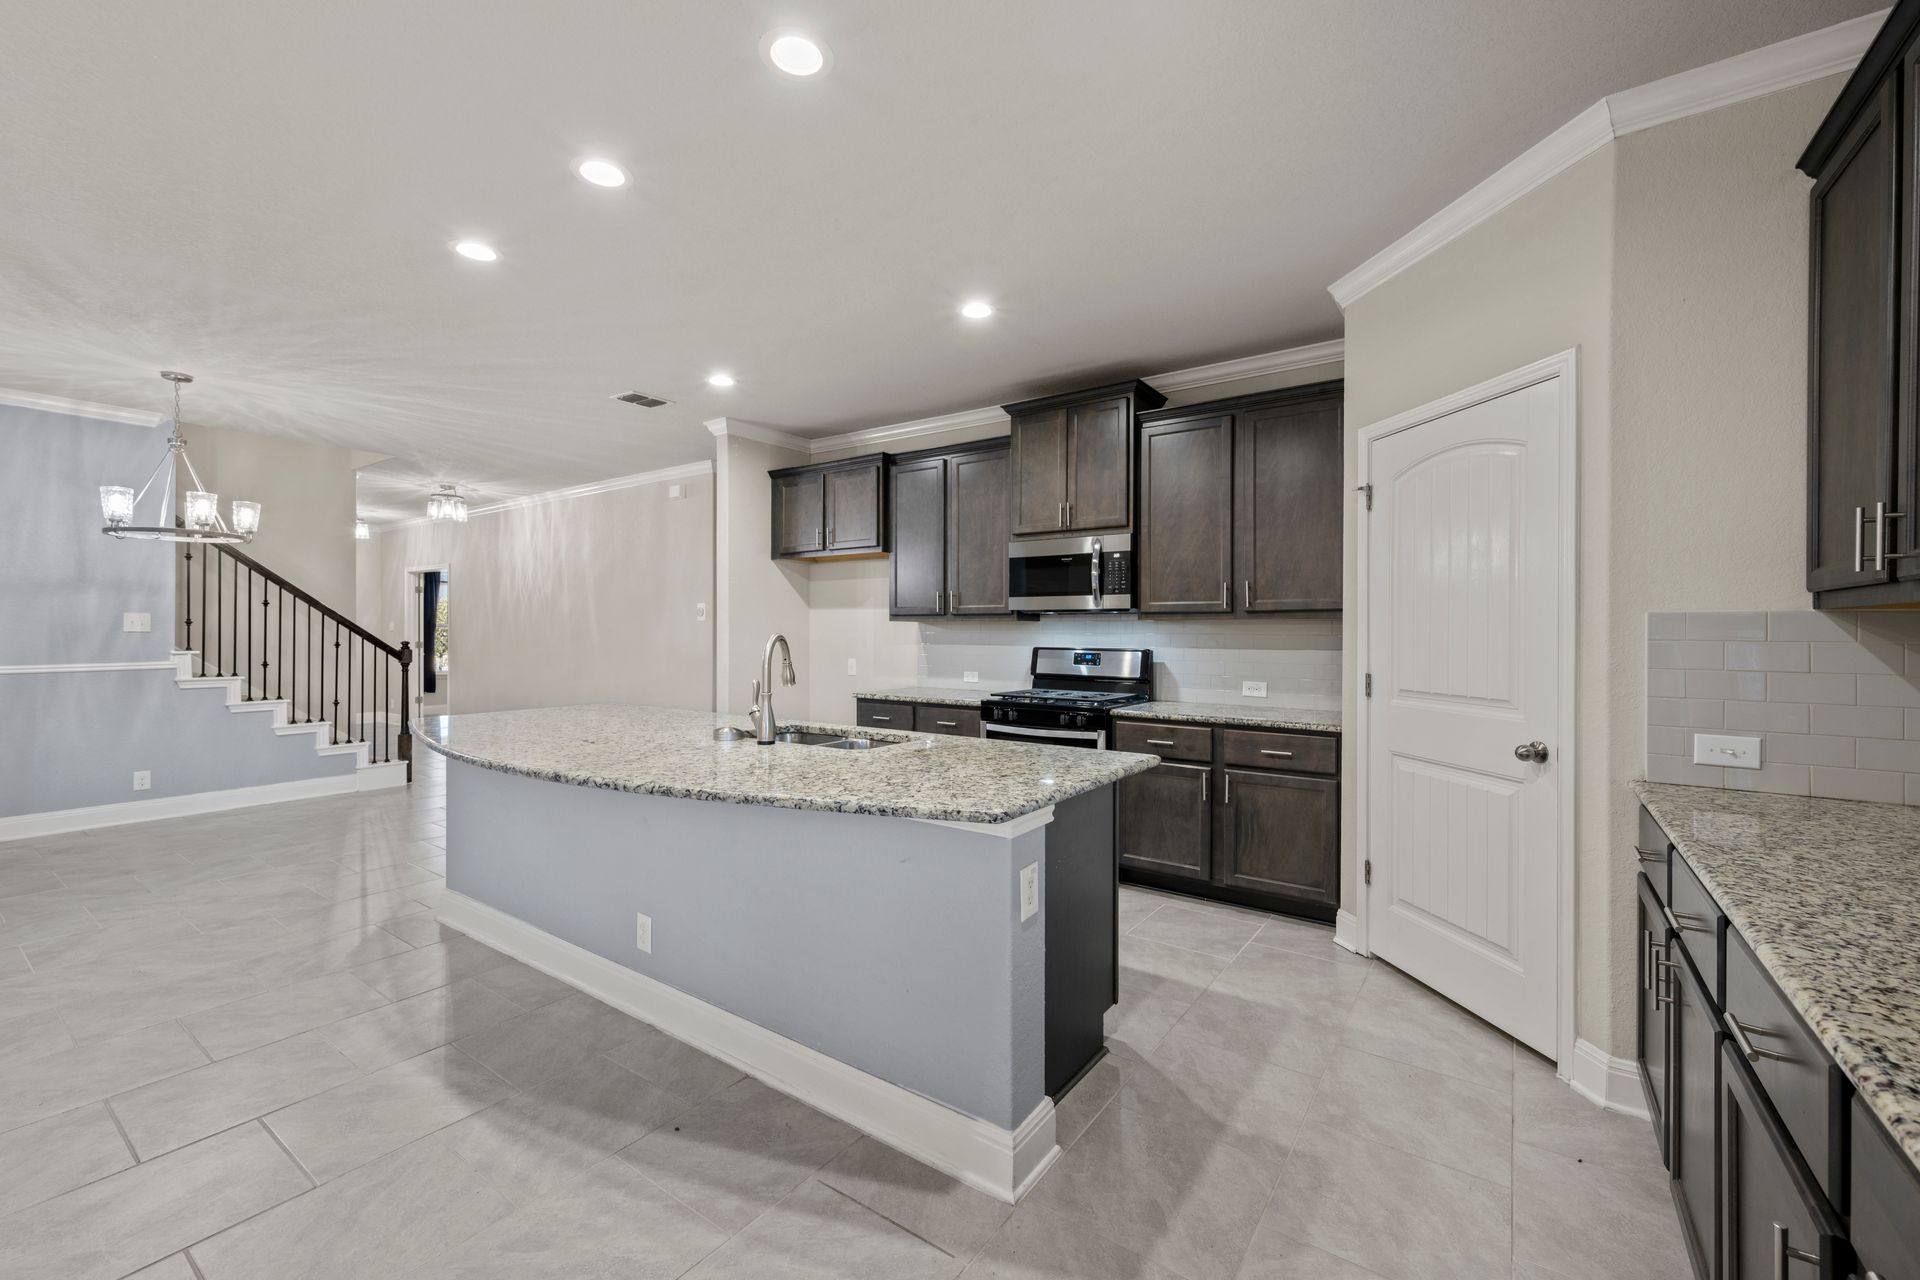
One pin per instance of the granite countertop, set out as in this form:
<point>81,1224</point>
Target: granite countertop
<point>929,696</point>
<point>1826,892</point>
<point>671,752</point>
<point>1238,713</point>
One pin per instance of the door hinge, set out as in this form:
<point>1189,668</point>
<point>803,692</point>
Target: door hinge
<point>1367,489</point>
<point>1369,684</point>
<point>1367,870</point>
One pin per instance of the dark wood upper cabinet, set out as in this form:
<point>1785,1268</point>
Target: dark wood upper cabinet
<point>919,538</point>
<point>1241,504</point>
<point>1073,458</point>
<point>1863,350</point>
<point>952,510</point>
<point>979,526</point>
<point>1185,541</point>
<point>831,510</point>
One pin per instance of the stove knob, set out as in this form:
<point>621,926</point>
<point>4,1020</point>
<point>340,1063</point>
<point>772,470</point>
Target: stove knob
<point>1079,722</point>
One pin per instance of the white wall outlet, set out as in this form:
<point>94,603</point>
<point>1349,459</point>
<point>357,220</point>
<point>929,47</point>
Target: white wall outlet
<point>1030,891</point>
<point>1253,688</point>
<point>1734,751</point>
<point>143,781</point>
<point>643,932</point>
<point>853,668</point>
<point>970,677</point>
<point>700,612</point>
<point>136,622</point>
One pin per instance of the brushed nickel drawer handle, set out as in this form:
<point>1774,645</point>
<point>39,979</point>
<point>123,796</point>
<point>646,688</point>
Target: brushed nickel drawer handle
<point>1159,742</point>
<point>1268,752</point>
<point>948,724</point>
<point>1784,1252</point>
<point>1687,922</point>
<point>1739,1031</point>
<point>1648,855</point>
<point>881,719</point>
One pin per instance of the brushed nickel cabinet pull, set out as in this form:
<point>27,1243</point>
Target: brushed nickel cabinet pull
<point>1859,524</point>
<point>1266,751</point>
<point>1229,778</point>
<point>948,724</point>
<point>1159,742</point>
<point>1739,1031</point>
<point>881,719</point>
<point>1783,1252</point>
<point>1648,855</point>
<point>1246,593</point>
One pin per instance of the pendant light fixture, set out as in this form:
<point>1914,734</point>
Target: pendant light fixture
<point>445,503</point>
<point>198,517</point>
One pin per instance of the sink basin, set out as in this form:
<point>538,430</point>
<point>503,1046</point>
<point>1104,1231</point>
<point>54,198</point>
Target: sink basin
<point>832,741</point>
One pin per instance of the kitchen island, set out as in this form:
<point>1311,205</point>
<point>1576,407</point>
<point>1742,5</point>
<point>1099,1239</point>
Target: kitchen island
<point>917,936</point>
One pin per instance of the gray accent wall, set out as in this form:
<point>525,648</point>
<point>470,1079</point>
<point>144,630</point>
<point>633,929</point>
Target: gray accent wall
<point>894,946</point>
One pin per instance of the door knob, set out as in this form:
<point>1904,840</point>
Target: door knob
<point>1531,752</point>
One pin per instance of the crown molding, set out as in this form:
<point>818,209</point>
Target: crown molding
<point>685,471</point>
<point>1206,375</point>
<point>1801,60</point>
<point>754,431</point>
<point>81,408</point>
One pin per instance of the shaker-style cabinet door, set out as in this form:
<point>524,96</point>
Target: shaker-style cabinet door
<point>853,508</point>
<point>919,562</point>
<point>1289,507</point>
<point>1774,1222</point>
<point>979,527</point>
<point>1163,820</point>
<point>1279,833</point>
<point>1694,1068</point>
<point>799,514</point>
<point>1100,465</point>
<point>1040,471</point>
<point>1185,542</point>
<point>1653,942</point>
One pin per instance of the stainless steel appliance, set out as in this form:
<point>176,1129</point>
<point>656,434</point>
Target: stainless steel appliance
<point>1074,695</point>
<point>1092,574</point>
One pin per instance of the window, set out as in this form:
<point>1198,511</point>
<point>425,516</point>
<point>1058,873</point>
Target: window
<point>440,629</point>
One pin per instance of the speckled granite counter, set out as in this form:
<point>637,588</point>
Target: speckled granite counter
<point>1827,893</point>
<point>663,751</point>
<point>926,695</point>
<point>1237,713</point>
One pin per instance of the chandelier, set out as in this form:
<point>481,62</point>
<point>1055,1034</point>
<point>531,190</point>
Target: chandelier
<point>198,518</point>
<point>445,503</point>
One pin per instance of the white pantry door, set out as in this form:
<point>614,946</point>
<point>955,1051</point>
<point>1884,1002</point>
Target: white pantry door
<point>1463,597</point>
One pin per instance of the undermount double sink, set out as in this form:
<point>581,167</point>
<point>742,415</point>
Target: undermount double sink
<point>809,738</point>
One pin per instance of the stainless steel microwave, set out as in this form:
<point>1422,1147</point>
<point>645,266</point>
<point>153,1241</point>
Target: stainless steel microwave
<point>1093,574</point>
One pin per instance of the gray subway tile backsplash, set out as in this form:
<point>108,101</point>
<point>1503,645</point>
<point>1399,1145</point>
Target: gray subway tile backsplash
<point>1835,698</point>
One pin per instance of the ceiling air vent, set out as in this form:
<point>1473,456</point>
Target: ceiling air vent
<point>642,399</point>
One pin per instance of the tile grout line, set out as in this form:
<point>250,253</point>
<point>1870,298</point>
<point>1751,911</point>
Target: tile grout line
<point>120,1128</point>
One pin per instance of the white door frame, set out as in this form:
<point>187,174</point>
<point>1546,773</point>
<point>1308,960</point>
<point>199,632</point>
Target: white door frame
<point>1563,367</point>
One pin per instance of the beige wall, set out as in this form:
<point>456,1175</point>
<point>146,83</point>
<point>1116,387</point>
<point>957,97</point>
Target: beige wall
<point>756,594</point>
<point>588,599</point>
<point>305,492</point>
<point>1674,262</point>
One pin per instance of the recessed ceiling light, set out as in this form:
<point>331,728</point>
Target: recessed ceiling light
<point>978,309</point>
<point>478,250</point>
<point>719,379</point>
<point>602,173</point>
<point>796,54</point>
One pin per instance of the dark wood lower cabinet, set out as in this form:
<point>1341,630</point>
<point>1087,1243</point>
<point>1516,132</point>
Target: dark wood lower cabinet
<point>1164,821</point>
<point>1694,1072</point>
<point>1280,834</point>
<point>1651,1000</point>
<point>1774,1222</point>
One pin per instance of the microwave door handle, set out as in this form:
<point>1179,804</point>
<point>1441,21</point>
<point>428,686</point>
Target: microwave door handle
<point>1096,573</point>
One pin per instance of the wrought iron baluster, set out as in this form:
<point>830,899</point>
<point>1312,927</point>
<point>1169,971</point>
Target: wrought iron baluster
<point>189,594</point>
<point>264,588</point>
<point>336,681</point>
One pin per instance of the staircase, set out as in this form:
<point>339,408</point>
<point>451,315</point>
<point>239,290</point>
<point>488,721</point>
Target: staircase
<point>276,652</point>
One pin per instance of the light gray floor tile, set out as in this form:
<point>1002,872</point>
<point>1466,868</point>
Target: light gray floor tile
<point>524,985</point>
<point>282,1012</point>
<point>20,878</point>
<point>411,972</point>
<point>1136,905</point>
<point>1090,1095</point>
<point>611,1221</point>
<point>1424,1113</point>
<point>1547,1114</point>
<point>39,992</point>
<point>815,1233</point>
<point>306,958</point>
<point>56,1155</point>
<point>1308,937</point>
<point>30,1036</point>
<point>1039,1243</point>
<point>1397,1214</point>
<point>333,1132</point>
<point>552,1038</point>
<point>672,1064</point>
<point>185,1108</point>
<point>420,930</point>
<point>1214,933</point>
<point>1591,1222</point>
<point>24,920</point>
<point>739,1152</point>
<point>129,946</point>
<point>148,1004</point>
<point>338,883</point>
<point>939,1209</point>
<point>1251,1103</point>
<point>108,1228</point>
<point>1273,1255</point>
<point>91,1072</point>
<point>1418,1027</point>
<point>392,1033</point>
<point>1164,1189</point>
<point>1300,1036</point>
<point>172,1267</point>
<point>388,1220</point>
<point>357,913</point>
<point>1145,958</point>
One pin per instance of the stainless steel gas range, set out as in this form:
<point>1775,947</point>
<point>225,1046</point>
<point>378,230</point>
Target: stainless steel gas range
<point>1074,695</point>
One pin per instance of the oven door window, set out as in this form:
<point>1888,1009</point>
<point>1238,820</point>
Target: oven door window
<point>1038,576</point>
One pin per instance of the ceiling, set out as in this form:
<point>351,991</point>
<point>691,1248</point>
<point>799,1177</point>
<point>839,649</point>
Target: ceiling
<point>264,195</point>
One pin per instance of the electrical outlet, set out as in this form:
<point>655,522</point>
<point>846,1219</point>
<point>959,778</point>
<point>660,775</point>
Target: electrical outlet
<point>643,932</point>
<point>853,668</point>
<point>1253,688</point>
<point>1030,891</point>
<point>143,781</point>
<point>1734,751</point>
<point>136,622</point>
<point>970,677</point>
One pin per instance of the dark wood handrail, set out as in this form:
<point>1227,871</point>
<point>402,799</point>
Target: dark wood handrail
<point>319,605</point>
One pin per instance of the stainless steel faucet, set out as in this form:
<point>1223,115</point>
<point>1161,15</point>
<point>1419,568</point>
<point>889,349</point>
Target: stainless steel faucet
<point>761,713</point>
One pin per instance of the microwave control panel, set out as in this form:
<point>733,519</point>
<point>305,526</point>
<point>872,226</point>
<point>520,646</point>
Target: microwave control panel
<point>1116,573</point>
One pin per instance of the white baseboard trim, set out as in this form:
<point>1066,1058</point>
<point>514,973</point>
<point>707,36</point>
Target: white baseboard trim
<point>380,777</point>
<point>28,826</point>
<point>1346,932</point>
<point>1000,1163</point>
<point>1607,1081</point>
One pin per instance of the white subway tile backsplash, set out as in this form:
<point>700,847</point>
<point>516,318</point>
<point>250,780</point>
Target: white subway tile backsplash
<point>1834,696</point>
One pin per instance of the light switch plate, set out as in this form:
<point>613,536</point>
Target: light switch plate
<point>853,668</point>
<point>1733,751</point>
<point>970,677</point>
<point>1253,688</point>
<point>136,622</point>
<point>1030,891</point>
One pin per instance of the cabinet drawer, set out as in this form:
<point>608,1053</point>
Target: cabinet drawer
<point>1697,918</point>
<point>1168,741</point>
<point>1293,752</point>
<point>883,715</point>
<point>958,721</point>
<point>1886,1201</point>
<point>1651,846</point>
<point>1798,1077</point>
